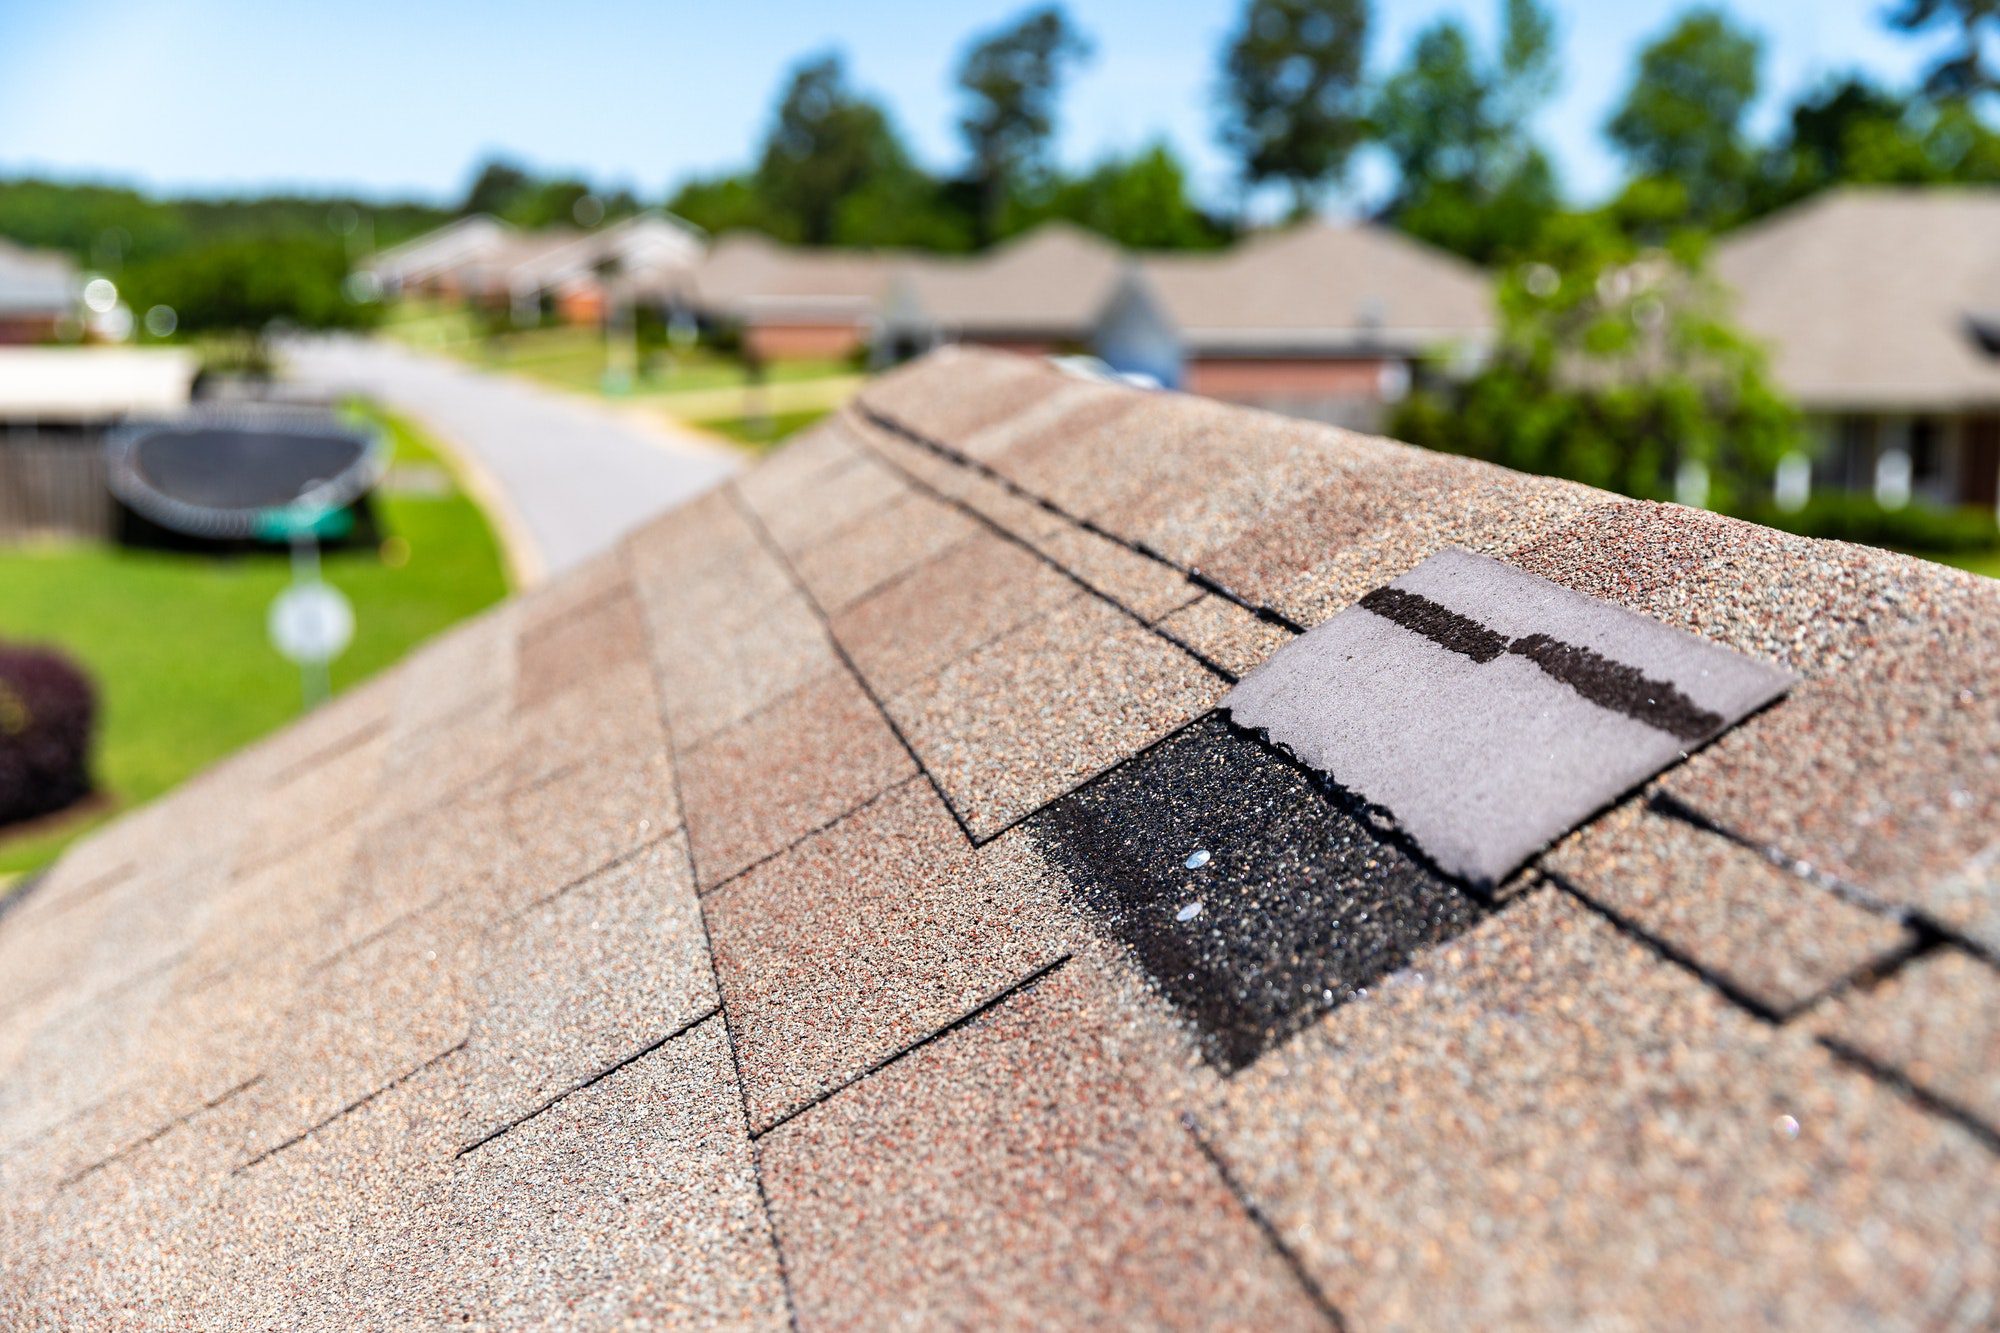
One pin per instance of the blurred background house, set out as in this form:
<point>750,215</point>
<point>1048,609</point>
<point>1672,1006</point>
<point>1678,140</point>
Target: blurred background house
<point>40,293</point>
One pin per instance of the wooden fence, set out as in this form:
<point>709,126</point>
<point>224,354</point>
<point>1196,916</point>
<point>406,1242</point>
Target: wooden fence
<point>53,485</point>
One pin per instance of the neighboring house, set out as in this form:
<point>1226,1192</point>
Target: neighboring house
<point>1041,292</point>
<point>488,262</point>
<point>788,302</point>
<point>39,292</point>
<point>1881,310</point>
<point>1321,320</point>
<point>439,262</point>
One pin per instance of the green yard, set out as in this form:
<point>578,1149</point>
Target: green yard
<point>177,643</point>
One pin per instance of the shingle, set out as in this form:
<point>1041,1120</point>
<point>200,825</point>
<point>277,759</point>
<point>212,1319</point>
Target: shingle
<point>714,673</point>
<point>369,1017</point>
<point>865,939</point>
<point>1145,587</point>
<point>311,801</point>
<point>1226,634</point>
<point>1252,901</point>
<point>758,786</point>
<point>862,557</point>
<point>1020,1171</point>
<point>583,981</point>
<point>632,1200</point>
<point>579,819</point>
<point>1543,1125</point>
<point>575,649</point>
<point>985,390</point>
<point>969,596</point>
<point>829,501</point>
<point>1937,1023</point>
<point>1775,937</point>
<point>1024,719</point>
<point>1490,711</point>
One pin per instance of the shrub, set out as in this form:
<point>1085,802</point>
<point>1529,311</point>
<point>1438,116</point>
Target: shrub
<point>48,711</point>
<point>1916,526</point>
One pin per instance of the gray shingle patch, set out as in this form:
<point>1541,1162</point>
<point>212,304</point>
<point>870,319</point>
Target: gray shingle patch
<point>1489,711</point>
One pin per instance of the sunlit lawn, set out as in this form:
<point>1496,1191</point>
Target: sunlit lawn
<point>573,358</point>
<point>177,643</point>
<point>1979,562</point>
<point>765,432</point>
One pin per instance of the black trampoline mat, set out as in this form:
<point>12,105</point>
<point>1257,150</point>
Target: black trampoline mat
<point>237,467</point>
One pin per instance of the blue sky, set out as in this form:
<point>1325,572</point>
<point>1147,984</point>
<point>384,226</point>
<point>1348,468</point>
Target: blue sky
<point>402,97</point>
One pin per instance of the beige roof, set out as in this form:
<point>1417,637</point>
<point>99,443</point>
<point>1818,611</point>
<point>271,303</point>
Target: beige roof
<point>1049,282</point>
<point>36,282</point>
<point>747,275</point>
<point>1319,285</point>
<point>793,919</point>
<point>1865,296</point>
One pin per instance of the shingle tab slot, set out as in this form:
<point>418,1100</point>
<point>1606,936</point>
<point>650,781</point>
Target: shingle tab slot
<point>1490,711</point>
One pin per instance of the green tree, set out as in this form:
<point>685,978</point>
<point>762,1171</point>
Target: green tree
<point>1853,131</point>
<point>1455,122</point>
<point>495,187</point>
<point>1615,365</point>
<point>1969,69</point>
<point>1292,98</point>
<point>722,203</point>
<point>1682,118</point>
<point>826,143</point>
<point>242,288</point>
<point>1139,201</point>
<point>1011,80</point>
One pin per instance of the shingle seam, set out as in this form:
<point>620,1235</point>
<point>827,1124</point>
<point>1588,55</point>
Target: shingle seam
<point>156,1135</point>
<point>1007,534</point>
<point>598,1077</point>
<point>1936,1103</point>
<point>884,421</point>
<point>715,975</point>
<point>623,858</point>
<point>900,576</point>
<point>88,890</point>
<point>588,606</point>
<point>1674,807</point>
<point>354,1105</point>
<point>984,1007</point>
<point>1262,1221</point>
<point>353,739</point>
<point>737,877</point>
<point>847,661</point>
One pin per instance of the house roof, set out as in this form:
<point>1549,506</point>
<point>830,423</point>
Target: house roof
<point>1318,286</point>
<point>36,282</point>
<point>850,902</point>
<point>747,275</point>
<point>1051,282</point>
<point>1867,296</point>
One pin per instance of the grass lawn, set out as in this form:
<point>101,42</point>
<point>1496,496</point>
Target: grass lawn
<point>1979,562</point>
<point>762,435</point>
<point>177,644</point>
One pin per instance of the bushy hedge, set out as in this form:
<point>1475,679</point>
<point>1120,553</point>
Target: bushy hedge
<point>1915,526</point>
<point>48,711</point>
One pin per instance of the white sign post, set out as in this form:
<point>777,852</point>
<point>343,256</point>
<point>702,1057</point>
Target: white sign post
<point>310,622</point>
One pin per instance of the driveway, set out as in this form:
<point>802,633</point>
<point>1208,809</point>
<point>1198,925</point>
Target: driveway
<point>567,476</point>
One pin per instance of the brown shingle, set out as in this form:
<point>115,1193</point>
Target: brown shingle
<point>1022,720</point>
<point>1935,1022</point>
<point>1019,1171</point>
<point>760,785</point>
<point>865,939</point>
<point>1541,1124</point>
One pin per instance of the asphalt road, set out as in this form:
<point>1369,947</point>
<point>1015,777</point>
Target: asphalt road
<point>568,476</point>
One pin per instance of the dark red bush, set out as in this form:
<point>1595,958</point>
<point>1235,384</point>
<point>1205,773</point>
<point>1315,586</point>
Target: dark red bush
<point>48,710</point>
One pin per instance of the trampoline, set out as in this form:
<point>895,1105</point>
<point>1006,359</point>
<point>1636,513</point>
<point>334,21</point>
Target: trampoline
<point>241,472</point>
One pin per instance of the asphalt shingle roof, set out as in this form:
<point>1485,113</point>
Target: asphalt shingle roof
<point>787,917</point>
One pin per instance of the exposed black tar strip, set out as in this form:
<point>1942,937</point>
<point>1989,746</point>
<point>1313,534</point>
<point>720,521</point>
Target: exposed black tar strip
<point>1607,683</point>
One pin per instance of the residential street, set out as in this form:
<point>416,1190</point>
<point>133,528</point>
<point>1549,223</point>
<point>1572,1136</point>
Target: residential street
<point>568,476</point>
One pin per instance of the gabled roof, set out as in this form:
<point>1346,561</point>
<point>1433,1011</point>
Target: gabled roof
<point>1051,282</point>
<point>1867,297</point>
<point>845,903</point>
<point>478,238</point>
<point>36,282</point>
<point>747,275</point>
<point>1321,286</point>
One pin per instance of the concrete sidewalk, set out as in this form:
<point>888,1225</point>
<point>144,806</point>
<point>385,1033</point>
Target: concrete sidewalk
<point>565,476</point>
